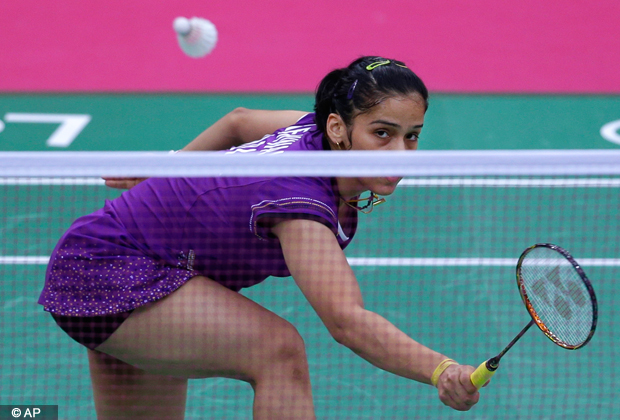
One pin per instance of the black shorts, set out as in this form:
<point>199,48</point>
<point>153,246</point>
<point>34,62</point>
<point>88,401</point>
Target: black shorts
<point>91,331</point>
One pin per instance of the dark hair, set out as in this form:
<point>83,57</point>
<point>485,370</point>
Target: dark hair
<point>365,83</point>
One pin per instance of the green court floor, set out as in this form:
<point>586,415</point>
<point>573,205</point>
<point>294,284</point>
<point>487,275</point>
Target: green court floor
<point>467,311</point>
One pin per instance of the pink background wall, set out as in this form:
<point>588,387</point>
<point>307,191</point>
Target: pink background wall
<point>288,45</point>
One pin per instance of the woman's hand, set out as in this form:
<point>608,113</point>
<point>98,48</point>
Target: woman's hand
<point>122,183</point>
<point>455,387</point>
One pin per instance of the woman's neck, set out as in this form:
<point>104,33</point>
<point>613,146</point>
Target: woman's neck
<point>349,188</point>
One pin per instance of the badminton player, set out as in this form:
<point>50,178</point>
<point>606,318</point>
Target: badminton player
<point>149,283</point>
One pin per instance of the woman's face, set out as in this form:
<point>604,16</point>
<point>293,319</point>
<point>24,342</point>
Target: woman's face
<point>394,125</point>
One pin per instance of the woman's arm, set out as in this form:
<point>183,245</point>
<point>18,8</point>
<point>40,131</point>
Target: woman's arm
<point>239,126</point>
<point>242,126</point>
<point>323,274</point>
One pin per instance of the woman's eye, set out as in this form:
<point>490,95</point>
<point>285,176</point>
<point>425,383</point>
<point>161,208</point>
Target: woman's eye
<point>414,137</point>
<point>382,133</point>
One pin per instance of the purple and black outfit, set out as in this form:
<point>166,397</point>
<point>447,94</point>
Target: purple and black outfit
<point>152,239</point>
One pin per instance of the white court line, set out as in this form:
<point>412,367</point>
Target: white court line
<point>477,262</point>
<point>511,182</point>
<point>383,262</point>
<point>51,181</point>
<point>431,262</point>
<point>21,260</point>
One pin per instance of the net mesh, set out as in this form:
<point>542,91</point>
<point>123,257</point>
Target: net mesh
<point>437,260</point>
<point>558,295</point>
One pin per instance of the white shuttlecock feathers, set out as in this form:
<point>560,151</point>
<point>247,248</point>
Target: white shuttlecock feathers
<point>197,36</point>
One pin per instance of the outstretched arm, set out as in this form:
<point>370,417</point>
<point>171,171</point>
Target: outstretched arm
<point>323,274</point>
<point>238,127</point>
<point>241,126</point>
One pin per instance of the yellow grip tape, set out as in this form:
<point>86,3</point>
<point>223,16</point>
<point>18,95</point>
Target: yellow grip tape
<point>481,375</point>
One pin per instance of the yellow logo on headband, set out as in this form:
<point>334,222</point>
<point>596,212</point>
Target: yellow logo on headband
<point>376,64</point>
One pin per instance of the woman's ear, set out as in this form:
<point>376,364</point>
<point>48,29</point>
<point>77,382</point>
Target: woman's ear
<point>336,131</point>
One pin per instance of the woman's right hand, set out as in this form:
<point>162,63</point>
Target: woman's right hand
<point>455,387</point>
<point>122,183</point>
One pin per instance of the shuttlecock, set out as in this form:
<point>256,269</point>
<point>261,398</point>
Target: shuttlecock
<point>197,36</point>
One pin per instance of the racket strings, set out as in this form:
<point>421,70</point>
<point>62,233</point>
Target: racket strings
<point>558,296</point>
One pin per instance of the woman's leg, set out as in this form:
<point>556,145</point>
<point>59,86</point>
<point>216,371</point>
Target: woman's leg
<point>122,391</point>
<point>205,330</point>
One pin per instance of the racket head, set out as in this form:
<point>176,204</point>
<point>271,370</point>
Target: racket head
<point>558,295</point>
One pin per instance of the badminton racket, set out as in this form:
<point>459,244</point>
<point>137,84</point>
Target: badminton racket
<point>559,298</point>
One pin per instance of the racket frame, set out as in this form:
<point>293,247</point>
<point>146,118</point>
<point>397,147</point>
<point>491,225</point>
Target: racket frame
<point>526,300</point>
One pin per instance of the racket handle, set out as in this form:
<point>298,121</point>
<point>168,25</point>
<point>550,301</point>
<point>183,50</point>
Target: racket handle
<point>484,372</point>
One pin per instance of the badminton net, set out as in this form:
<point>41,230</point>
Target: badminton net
<point>437,260</point>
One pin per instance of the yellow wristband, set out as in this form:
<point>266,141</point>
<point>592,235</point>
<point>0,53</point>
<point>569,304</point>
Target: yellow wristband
<point>439,370</point>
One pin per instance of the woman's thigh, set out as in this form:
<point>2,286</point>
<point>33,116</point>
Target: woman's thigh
<point>202,330</point>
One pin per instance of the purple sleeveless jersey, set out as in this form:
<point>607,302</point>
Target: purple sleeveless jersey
<point>152,239</point>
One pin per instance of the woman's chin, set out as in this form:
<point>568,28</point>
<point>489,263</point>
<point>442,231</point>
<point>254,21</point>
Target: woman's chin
<point>393,179</point>
<point>386,188</point>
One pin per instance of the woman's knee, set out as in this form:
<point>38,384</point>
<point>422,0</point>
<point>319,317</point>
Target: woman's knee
<point>285,353</point>
<point>287,342</point>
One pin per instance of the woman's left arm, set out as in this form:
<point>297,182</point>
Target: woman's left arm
<point>321,271</point>
<point>241,126</point>
<point>238,127</point>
